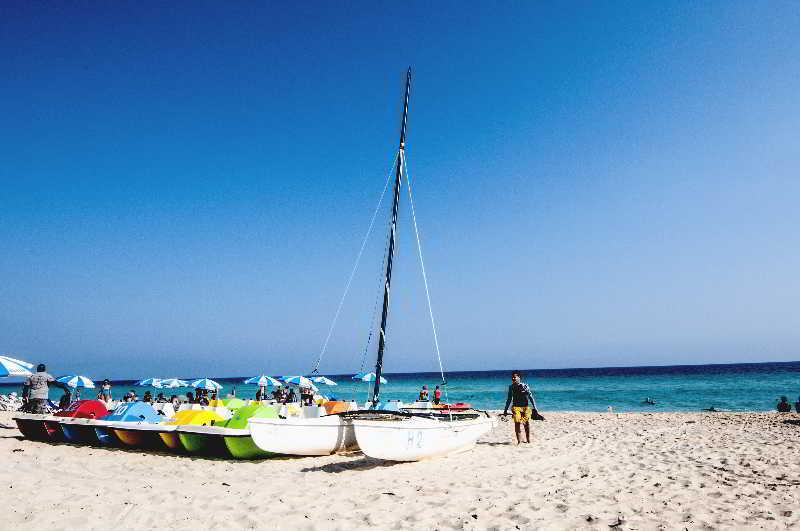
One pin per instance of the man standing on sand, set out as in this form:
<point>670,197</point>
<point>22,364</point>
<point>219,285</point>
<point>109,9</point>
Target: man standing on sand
<point>523,406</point>
<point>35,391</point>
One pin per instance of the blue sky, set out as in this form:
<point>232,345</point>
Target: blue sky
<point>185,187</point>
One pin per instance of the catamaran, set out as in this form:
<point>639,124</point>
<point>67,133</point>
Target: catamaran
<point>380,430</point>
<point>411,434</point>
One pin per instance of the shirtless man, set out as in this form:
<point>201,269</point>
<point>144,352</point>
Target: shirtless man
<point>523,406</point>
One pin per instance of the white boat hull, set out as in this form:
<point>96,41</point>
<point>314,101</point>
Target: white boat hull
<point>303,436</point>
<point>417,438</point>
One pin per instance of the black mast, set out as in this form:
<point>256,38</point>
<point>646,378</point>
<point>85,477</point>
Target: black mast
<point>392,238</point>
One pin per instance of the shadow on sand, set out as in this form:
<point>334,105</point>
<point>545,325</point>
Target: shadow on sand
<point>365,463</point>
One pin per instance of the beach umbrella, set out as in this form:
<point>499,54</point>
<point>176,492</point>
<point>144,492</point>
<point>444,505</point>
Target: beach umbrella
<point>322,380</point>
<point>302,381</point>
<point>149,382</point>
<point>263,381</point>
<point>206,383</point>
<point>172,383</point>
<point>76,382</point>
<point>14,367</point>
<point>367,377</point>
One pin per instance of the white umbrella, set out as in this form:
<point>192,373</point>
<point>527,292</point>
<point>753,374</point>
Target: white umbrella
<point>206,383</point>
<point>367,377</point>
<point>263,380</point>
<point>76,382</point>
<point>323,380</point>
<point>14,367</point>
<point>172,383</point>
<point>149,382</point>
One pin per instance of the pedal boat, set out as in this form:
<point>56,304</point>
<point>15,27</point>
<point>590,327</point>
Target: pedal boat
<point>34,426</point>
<point>306,431</point>
<point>51,427</point>
<point>198,417</point>
<point>126,412</point>
<point>230,438</point>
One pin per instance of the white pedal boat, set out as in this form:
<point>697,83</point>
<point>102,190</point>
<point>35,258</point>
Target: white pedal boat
<point>312,433</point>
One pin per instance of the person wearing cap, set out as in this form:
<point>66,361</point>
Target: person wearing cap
<point>36,390</point>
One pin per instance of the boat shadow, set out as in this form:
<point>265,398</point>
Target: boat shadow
<point>156,452</point>
<point>479,443</point>
<point>365,463</point>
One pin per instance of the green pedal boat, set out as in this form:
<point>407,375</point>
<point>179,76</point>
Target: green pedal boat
<point>229,438</point>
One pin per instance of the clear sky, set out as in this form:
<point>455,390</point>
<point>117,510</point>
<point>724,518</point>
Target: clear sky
<point>184,187</point>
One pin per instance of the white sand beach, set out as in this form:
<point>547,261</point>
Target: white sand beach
<point>583,470</point>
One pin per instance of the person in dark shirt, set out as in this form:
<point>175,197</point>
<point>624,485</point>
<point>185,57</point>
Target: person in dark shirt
<point>797,405</point>
<point>306,396</point>
<point>65,400</point>
<point>784,406</point>
<point>522,404</point>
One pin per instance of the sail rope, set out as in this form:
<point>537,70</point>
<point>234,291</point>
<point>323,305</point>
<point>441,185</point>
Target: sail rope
<point>355,268</point>
<point>425,280</point>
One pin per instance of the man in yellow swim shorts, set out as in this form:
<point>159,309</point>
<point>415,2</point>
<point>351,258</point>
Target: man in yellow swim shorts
<point>521,414</point>
<point>520,398</point>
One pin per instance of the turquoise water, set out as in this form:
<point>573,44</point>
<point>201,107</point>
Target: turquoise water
<point>735,387</point>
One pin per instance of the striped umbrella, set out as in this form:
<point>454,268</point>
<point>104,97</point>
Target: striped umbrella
<point>367,377</point>
<point>206,383</point>
<point>14,367</point>
<point>263,381</point>
<point>149,382</point>
<point>323,380</point>
<point>302,381</point>
<point>172,383</point>
<point>76,381</point>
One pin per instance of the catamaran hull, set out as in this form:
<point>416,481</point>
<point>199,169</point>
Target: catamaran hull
<point>194,443</point>
<point>171,441</point>
<point>79,433</point>
<point>53,427</point>
<point>245,448</point>
<point>141,435</point>
<point>106,437</point>
<point>415,438</point>
<point>303,436</point>
<point>219,441</point>
<point>33,426</point>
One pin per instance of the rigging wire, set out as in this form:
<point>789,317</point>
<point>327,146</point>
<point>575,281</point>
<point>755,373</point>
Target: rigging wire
<point>425,279</point>
<point>374,318</point>
<point>355,268</point>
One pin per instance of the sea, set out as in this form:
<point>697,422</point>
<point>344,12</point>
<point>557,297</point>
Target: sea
<point>725,387</point>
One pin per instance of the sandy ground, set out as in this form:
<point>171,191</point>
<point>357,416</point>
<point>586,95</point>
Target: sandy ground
<point>583,471</point>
